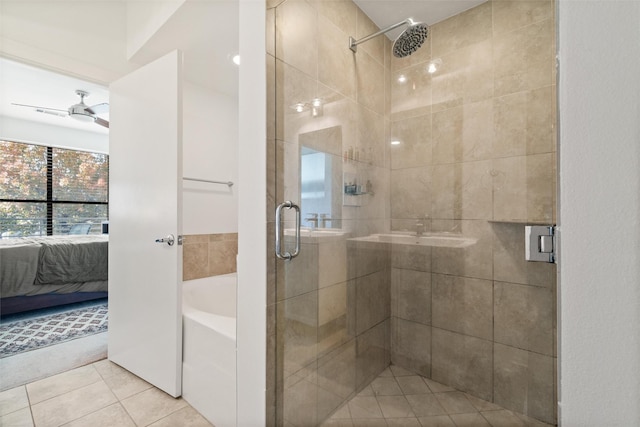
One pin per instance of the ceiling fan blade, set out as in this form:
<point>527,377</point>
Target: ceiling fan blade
<point>38,108</point>
<point>98,108</point>
<point>102,122</point>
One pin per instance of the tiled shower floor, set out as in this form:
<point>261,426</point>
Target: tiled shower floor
<point>399,398</point>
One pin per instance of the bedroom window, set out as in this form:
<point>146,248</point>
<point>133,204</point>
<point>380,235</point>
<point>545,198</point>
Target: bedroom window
<point>49,191</point>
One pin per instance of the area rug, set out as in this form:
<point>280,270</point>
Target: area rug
<point>30,334</point>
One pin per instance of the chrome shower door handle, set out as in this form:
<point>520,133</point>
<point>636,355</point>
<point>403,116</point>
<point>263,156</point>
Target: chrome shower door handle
<point>287,256</point>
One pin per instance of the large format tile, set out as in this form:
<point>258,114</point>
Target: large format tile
<point>19,418</point>
<point>412,346</point>
<point>151,405</point>
<point>463,305</point>
<point>126,384</point>
<point>113,415</point>
<point>297,36</point>
<point>411,294</point>
<point>462,30</point>
<point>524,382</point>
<point>62,383</point>
<point>463,362</point>
<point>524,317</point>
<point>185,417</point>
<point>73,405</point>
<point>13,399</point>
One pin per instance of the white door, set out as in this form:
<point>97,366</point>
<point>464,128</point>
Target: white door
<point>145,204</point>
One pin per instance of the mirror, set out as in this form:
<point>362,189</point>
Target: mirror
<point>321,178</point>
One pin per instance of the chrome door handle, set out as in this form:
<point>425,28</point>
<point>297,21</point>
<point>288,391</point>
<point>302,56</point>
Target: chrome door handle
<point>287,255</point>
<point>169,240</point>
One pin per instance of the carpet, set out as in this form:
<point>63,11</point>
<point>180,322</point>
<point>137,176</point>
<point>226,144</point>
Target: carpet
<point>33,333</point>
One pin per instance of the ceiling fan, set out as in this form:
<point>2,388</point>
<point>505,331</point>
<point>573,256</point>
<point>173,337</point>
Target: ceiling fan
<point>80,111</point>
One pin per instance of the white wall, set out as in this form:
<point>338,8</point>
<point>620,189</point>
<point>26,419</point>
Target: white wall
<point>18,130</point>
<point>210,151</point>
<point>252,219</point>
<point>599,294</point>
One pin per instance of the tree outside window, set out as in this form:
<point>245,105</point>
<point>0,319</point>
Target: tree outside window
<point>48,190</point>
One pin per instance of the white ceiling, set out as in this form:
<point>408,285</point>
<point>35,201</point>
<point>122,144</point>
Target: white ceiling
<point>206,20</point>
<point>388,12</point>
<point>24,84</point>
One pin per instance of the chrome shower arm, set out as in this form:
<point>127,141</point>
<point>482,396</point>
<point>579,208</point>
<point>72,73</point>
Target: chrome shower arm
<point>353,43</point>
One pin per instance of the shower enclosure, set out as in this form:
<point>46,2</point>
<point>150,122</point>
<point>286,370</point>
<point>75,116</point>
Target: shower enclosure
<point>414,177</point>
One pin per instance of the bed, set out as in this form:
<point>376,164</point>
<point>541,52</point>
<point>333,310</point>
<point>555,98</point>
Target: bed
<point>39,272</point>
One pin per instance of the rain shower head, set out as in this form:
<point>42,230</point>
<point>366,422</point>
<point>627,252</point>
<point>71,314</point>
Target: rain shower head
<point>406,43</point>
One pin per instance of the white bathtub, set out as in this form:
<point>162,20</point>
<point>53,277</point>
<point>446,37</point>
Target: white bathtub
<point>209,347</point>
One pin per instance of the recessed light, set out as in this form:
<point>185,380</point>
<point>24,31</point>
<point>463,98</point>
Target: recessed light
<point>236,59</point>
<point>402,78</point>
<point>395,142</point>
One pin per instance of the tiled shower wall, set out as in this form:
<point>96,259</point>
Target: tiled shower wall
<point>206,255</point>
<point>477,157</point>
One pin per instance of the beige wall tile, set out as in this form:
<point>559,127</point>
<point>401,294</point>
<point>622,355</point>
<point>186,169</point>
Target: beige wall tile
<point>411,257</point>
<point>271,31</point>
<point>412,291</point>
<point>463,305</point>
<point>195,261</point>
<point>461,30</point>
<point>447,135</point>
<point>372,353</point>
<point>332,262</point>
<point>523,58</point>
<point>292,87</point>
<point>332,317</point>
<point>337,370</point>
<point>297,36</point>
<point>464,76</point>
<point>370,82</point>
<point>373,296</point>
<point>410,92</point>
<point>510,125</point>
<point>411,192</point>
<point>222,257</point>
<point>370,136</point>
<point>446,197</point>
<point>271,97</point>
<point>476,191</point>
<point>297,332</point>
<point>477,131</point>
<point>523,382</point>
<point>414,149</point>
<point>541,187</point>
<point>510,188</point>
<point>509,264</point>
<point>541,120</point>
<point>511,15</point>
<point>462,362</point>
<point>375,46</point>
<point>296,278</point>
<point>524,317</point>
<point>342,13</point>
<point>472,261</point>
<point>336,64</point>
<point>412,346</point>
<point>300,403</point>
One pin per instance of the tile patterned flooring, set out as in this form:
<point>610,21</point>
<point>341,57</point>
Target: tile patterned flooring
<point>101,394</point>
<point>399,398</point>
